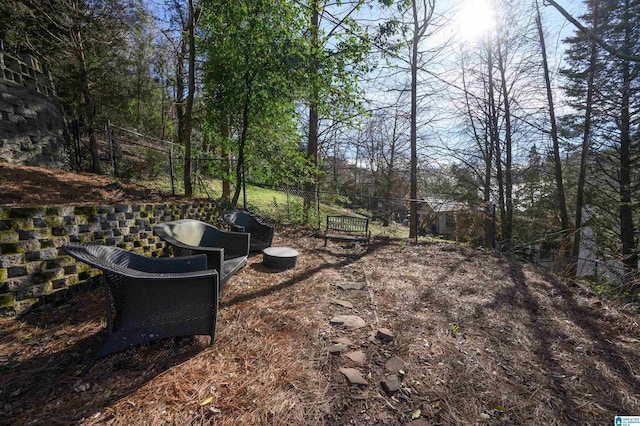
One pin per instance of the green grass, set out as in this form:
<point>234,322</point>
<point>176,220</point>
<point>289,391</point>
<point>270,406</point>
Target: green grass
<point>282,207</point>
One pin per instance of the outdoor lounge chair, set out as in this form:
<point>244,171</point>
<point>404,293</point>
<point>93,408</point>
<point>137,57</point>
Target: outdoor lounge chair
<point>241,221</point>
<point>226,251</point>
<point>151,298</point>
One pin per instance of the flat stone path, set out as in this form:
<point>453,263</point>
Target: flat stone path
<point>357,351</point>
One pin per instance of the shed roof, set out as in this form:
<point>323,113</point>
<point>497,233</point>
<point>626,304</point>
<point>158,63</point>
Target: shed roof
<point>442,206</point>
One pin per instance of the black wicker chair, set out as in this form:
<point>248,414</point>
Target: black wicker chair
<point>226,251</point>
<point>241,221</point>
<point>151,298</point>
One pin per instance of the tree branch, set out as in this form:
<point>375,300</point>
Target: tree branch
<point>615,52</point>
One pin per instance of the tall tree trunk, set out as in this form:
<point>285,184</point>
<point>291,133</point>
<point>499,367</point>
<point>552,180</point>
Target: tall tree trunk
<point>630,256</point>
<point>495,141</point>
<point>420,24</point>
<point>485,145</point>
<point>180,102</point>
<point>226,160</point>
<point>489,224</point>
<point>557,161</point>
<point>391,179</point>
<point>586,136</point>
<point>500,180</point>
<point>507,224</point>
<point>243,139</point>
<point>89,107</point>
<point>188,117</point>
<point>490,137</point>
<point>311,188</point>
<point>413,191</point>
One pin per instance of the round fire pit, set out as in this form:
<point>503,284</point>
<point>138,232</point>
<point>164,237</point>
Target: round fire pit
<point>280,258</point>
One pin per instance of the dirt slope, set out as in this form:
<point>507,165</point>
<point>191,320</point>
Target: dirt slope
<point>23,186</point>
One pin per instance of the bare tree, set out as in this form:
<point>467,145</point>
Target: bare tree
<point>479,120</point>
<point>421,15</point>
<point>557,161</point>
<point>185,76</point>
<point>384,144</point>
<point>337,43</point>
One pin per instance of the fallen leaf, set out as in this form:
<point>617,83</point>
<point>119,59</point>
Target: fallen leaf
<point>206,401</point>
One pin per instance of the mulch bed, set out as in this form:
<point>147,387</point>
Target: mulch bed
<point>483,340</point>
<point>27,186</point>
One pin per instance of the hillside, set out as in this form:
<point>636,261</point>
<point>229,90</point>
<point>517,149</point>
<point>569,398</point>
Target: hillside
<point>471,338</point>
<point>24,186</point>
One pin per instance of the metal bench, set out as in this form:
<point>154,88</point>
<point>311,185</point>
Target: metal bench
<point>226,251</point>
<point>149,298</point>
<point>348,228</point>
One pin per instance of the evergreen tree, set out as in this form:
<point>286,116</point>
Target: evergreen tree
<point>86,44</point>
<point>607,82</point>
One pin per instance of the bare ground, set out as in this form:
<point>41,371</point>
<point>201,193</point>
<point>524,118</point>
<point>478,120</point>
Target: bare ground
<point>24,186</point>
<point>485,340</point>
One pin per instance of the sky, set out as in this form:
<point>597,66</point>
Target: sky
<point>464,22</point>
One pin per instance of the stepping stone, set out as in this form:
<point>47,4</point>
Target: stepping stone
<point>385,334</point>
<point>337,348</point>
<point>353,376</point>
<point>344,303</point>
<point>357,356</point>
<point>343,340</point>
<point>349,321</point>
<point>394,364</point>
<point>391,384</point>
<point>352,285</point>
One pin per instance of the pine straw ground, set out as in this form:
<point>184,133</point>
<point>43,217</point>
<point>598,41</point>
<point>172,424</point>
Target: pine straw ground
<point>485,340</point>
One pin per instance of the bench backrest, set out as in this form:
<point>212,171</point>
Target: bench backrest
<point>348,224</point>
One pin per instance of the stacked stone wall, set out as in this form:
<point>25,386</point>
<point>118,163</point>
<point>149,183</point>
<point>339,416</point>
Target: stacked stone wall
<point>32,126</point>
<point>32,264</point>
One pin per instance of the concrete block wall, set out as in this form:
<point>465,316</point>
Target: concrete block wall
<point>32,264</point>
<point>32,126</point>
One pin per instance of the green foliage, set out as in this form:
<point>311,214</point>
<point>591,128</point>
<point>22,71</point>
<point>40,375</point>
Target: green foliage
<point>335,68</point>
<point>252,78</point>
<point>155,163</point>
<point>454,328</point>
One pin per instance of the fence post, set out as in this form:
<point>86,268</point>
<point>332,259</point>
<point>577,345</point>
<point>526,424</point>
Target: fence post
<point>173,186</point>
<point>318,206</point>
<point>244,189</point>
<point>288,210</point>
<point>112,148</point>
<point>77,143</point>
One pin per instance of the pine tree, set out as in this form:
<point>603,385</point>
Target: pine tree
<point>604,86</point>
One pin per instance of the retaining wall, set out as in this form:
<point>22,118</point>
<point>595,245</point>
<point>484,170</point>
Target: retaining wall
<point>32,127</point>
<point>32,264</point>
